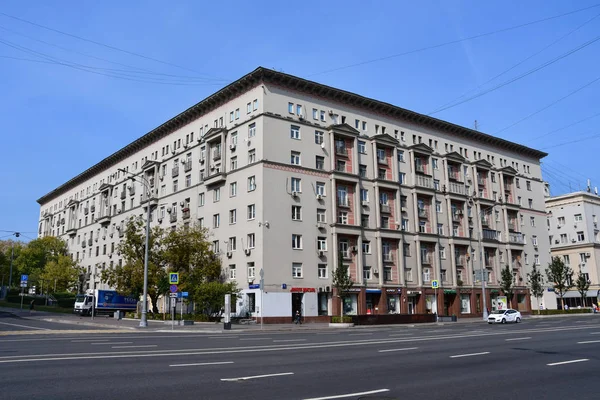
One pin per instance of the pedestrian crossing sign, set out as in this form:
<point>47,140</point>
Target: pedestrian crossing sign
<point>174,278</point>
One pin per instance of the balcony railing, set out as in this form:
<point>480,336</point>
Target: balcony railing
<point>342,151</point>
<point>385,208</point>
<point>92,208</point>
<point>175,172</point>
<point>424,182</point>
<point>422,168</point>
<point>490,234</point>
<point>516,237</point>
<point>423,213</point>
<point>457,188</point>
<point>388,257</point>
<point>173,217</point>
<point>346,254</point>
<point>185,213</point>
<point>460,261</point>
<point>426,259</point>
<point>456,216</point>
<point>123,194</point>
<point>343,202</point>
<point>453,174</point>
<point>187,166</point>
<point>382,161</point>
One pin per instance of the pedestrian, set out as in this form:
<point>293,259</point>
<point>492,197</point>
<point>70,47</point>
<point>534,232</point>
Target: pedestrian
<point>31,305</point>
<point>297,320</point>
<point>566,307</point>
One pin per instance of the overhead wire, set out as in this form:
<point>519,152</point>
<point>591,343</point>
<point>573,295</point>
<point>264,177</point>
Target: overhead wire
<point>113,47</point>
<point>521,62</point>
<point>572,141</point>
<point>452,41</point>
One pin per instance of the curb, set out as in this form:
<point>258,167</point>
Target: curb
<point>64,321</point>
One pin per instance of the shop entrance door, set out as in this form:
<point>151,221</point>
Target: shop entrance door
<point>297,304</point>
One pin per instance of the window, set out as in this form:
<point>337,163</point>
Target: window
<point>380,154</point>
<point>251,240</point>
<point>422,226</point>
<point>561,221</point>
<point>493,177</point>
<point>321,243</point>
<point>583,257</point>
<point>237,115</point>
<point>436,184</point>
<point>216,195</point>
<point>215,246</point>
<point>321,215</point>
<point>255,105</point>
<point>320,162</point>
<point>318,137</point>
<point>578,218</point>
<point>438,206</point>
<point>362,148</point>
<point>342,217</point>
<point>251,270</point>
<point>251,211</point>
<point>322,271</point>
<point>295,158</point>
<point>534,240</point>
<point>443,253</point>
<point>232,244</point>
<point>232,216</point>
<point>315,113</point>
<point>248,108</point>
<point>366,273</point>
<point>435,163</point>
<point>299,110</point>
<point>252,130</point>
<point>295,132</point>
<point>406,249</point>
<point>528,184</point>
<point>232,272</point>
<point>530,203</point>
<point>296,186</point>
<point>175,184</point>
<point>518,183</point>
<point>296,241</point>
<point>364,195</point>
<point>231,116</point>
<point>401,155</point>
<point>188,181</point>
<point>580,236</point>
<point>402,178</point>
<point>563,238</point>
<point>532,221</point>
<point>296,213</point>
<point>216,220</point>
<point>234,163</point>
<point>362,170</point>
<point>201,199</point>
<point>404,225</point>
<point>201,222</point>
<point>296,270</point>
<point>233,189</point>
<point>536,259</point>
<point>366,247</point>
<point>440,229</point>
<point>251,156</point>
<point>291,108</point>
<point>322,115</point>
<point>251,183</point>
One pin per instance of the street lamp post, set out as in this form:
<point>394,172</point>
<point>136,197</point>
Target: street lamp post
<point>481,213</point>
<point>144,319</point>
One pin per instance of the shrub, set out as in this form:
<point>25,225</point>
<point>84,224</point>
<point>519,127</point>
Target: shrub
<point>345,320</point>
<point>569,311</point>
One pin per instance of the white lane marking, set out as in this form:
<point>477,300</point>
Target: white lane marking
<point>470,355</point>
<point>245,378</point>
<point>133,347</point>
<point>400,334</point>
<point>259,338</point>
<point>404,349</point>
<point>342,396</point>
<point>111,343</point>
<point>518,338</point>
<point>568,362</point>
<point>222,337</point>
<point>25,326</point>
<point>89,340</point>
<point>289,340</point>
<point>589,341</point>
<point>200,364</point>
<point>360,334</point>
<point>594,333</point>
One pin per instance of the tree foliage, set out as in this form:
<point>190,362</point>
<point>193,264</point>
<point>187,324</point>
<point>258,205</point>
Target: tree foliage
<point>342,281</point>
<point>582,284</point>
<point>536,284</point>
<point>560,276</point>
<point>34,256</point>
<point>62,273</point>
<point>507,282</point>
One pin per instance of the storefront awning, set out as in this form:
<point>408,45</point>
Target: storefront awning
<point>571,294</point>
<point>373,290</point>
<point>449,291</point>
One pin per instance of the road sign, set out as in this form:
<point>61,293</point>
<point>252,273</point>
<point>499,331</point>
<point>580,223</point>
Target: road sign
<point>173,295</point>
<point>184,294</point>
<point>254,286</point>
<point>23,284</point>
<point>173,288</point>
<point>24,278</point>
<point>478,275</point>
<point>284,286</point>
<point>174,278</point>
<point>435,284</point>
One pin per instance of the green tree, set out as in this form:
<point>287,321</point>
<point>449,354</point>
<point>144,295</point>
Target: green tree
<point>561,278</point>
<point>342,283</point>
<point>34,256</point>
<point>536,285</point>
<point>128,278</point>
<point>582,284</point>
<point>62,273</point>
<point>209,297</point>
<point>506,283</point>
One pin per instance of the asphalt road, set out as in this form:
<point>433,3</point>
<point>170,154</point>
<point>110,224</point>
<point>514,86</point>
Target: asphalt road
<point>25,322</point>
<point>544,359</point>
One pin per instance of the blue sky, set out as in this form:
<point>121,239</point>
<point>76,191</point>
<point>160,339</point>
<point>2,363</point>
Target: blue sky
<point>56,120</point>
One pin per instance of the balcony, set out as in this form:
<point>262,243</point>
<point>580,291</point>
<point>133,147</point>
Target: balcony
<point>457,188</point>
<point>383,161</point>
<point>425,182</point>
<point>460,261</point>
<point>388,257</point>
<point>485,222</point>
<point>341,151</point>
<point>216,156</point>
<point>173,217</point>
<point>490,234</point>
<point>187,167</point>
<point>426,259</point>
<point>104,217</point>
<point>90,241</point>
<point>185,213</point>
<point>423,213</point>
<point>343,202</point>
<point>481,181</point>
<point>93,208</point>
<point>456,216</point>
<point>421,168</point>
<point>346,255</point>
<point>516,238</point>
<point>175,172</point>
<point>215,177</point>
<point>72,231</point>
<point>84,243</point>
<point>453,174</point>
<point>385,208</point>
<point>151,196</point>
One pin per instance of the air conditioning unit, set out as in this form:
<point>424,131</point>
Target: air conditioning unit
<point>556,241</point>
<point>248,251</point>
<point>321,253</point>
<point>185,145</point>
<point>119,211</point>
<point>319,197</point>
<point>321,289</point>
<point>321,225</point>
<point>573,240</point>
<point>365,203</point>
<point>330,112</point>
<point>202,161</point>
<point>212,167</point>
<point>232,146</point>
<point>250,280</point>
<point>103,237</point>
<point>403,209</point>
<point>169,210</point>
<point>111,235</point>
<point>109,255</point>
<point>229,254</point>
<point>588,254</point>
<point>376,271</point>
<point>582,265</point>
<point>160,220</point>
<point>118,228</point>
<point>295,194</point>
<point>327,289</point>
<point>353,249</point>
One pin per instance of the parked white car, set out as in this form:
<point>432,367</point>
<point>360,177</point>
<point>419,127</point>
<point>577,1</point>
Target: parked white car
<point>504,316</point>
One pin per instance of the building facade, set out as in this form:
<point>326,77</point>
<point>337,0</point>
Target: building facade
<point>574,236</point>
<point>293,178</point>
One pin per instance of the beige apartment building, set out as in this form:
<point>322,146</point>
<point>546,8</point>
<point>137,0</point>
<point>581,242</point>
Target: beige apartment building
<point>574,236</point>
<point>293,177</point>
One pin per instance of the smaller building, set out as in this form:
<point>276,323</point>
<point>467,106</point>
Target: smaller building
<point>574,236</point>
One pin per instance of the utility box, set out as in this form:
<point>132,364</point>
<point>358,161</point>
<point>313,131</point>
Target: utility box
<point>118,315</point>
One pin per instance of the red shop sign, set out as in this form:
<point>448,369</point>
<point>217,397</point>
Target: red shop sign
<point>302,290</point>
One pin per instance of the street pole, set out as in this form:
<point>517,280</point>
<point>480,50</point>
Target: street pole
<point>262,295</point>
<point>12,255</point>
<point>485,313</point>
<point>144,320</point>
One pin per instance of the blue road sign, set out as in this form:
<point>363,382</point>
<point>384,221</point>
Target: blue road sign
<point>254,286</point>
<point>173,288</point>
<point>435,284</point>
<point>283,286</point>
<point>184,294</point>
<point>24,278</point>
<point>174,278</point>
